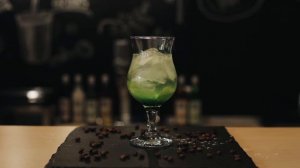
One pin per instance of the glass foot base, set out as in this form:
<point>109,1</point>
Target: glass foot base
<point>158,142</point>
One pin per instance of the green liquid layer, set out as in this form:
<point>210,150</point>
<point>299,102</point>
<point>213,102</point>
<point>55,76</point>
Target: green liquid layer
<point>152,96</point>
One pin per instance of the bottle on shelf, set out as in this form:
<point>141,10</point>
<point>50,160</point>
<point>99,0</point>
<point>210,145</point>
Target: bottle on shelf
<point>195,103</point>
<point>78,100</point>
<point>91,100</point>
<point>181,102</point>
<point>105,101</point>
<point>64,101</point>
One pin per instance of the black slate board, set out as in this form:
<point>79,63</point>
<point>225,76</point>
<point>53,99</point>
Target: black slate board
<point>67,155</point>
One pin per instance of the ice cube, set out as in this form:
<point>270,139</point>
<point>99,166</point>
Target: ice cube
<point>153,66</point>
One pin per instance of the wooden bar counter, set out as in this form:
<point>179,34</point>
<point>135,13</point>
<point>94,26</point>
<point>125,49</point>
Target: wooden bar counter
<point>32,146</point>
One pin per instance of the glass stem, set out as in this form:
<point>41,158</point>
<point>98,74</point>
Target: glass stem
<point>152,112</point>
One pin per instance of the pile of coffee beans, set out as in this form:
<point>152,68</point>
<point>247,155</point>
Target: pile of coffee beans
<point>187,143</point>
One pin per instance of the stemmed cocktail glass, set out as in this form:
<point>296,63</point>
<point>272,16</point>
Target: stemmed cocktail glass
<point>151,81</point>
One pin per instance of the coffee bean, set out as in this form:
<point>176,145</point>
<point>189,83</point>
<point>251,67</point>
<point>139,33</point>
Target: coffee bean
<point>93,129</point>
<point>96,144</point>
<point>199,149</point>
<point>170,159</point>
<point>232,151</point>
<point>141,157</point>
<point>104,153</point>
<point>178,136</point>
<point>105,134</point>
<point>81,151</point>
<point>165,157</point>
<point>157,155</point>
<point>97,157</point>
<point>175,129</point>
<point>166,130</point>
<point>194,146</point>
<point>85,157</point>
<point>218,152</point>
<point>123,136</point>
<point>136,127</point>
<point>236,157</point>
<point>181,156</point>
<point>86,130</point>
<point>113,130</point>
<point>192,150</point>
<point>179,151</point>
<point>142,131</point>
<point>230,140</point>
<point>132,134</point>
<point>135,154</point>
<point>100,136</point>
<point>93,151</point>
<point>124,157</point>
<point>77,140</point>
<point>209,155</point>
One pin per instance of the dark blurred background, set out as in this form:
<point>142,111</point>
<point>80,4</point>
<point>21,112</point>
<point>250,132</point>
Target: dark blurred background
<point>244,55</point>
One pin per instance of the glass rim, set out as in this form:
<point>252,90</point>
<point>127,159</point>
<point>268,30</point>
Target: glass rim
<point>152,37</point>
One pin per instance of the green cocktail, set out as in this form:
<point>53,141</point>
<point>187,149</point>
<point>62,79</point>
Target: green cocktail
<point>152,77</point>
<point>152,81</point>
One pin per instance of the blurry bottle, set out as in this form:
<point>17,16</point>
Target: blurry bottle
<point>78,100</point>
<point>121,65</point>
<point>105,101</point>
<point>91,100</point>
<point>181,102</point>
<point>299,105</point>
<point>195,103</point>
<point>64,102</point>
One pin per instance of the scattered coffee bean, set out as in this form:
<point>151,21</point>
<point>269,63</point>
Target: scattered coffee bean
<point>165,157</point>
<point>132,134</point>
<point>96,144</point>
<point>81,151</point>
<point>124,157</point>
<point>175,129</point>
<point>170,159</point>
<point>236,157</point>
<point>123,136</point>
<point>105,134</point>
<point>157,155</point>
<point>93,151</point>
<point>178,136</point>
<point>113,130</point>
<point>181,156</point>
<point>135,154</point>
<point>141,157</point>
<point>136,127</point>
<point>142,131</point>
<point>100,136</point>
<point>104,153</point>
<point>199,149</point>
<point>218,152</point>
<point>179,150</point>
<point>85,157</point>
<point>192,150</point>
<point>209,155</point>
<point>97,157</point>
<point>77,140</point>
<point>86,130</point>
<point>232,151</point>
<point>93,129</point>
